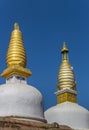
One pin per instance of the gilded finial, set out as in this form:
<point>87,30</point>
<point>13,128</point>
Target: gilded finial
<point>64,51</point>
<point>16,55</point>
<point>16,26</point>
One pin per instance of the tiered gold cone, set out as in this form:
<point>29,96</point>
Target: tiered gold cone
<point>16,55</point>
<point>66,75</point>
<point>66,80</point>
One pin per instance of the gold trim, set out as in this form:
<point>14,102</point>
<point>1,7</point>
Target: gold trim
<point>67,96</point>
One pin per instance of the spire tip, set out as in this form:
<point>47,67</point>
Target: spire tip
<point>16,26</point>
<point>64,49</point>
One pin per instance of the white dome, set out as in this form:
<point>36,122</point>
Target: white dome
<point>21,101</point>
<point>70,114</point>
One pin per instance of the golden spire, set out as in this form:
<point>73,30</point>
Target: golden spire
<point>66,80</point>
<point>16,55</point>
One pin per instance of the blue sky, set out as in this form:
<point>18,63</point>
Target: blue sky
<point>46,24</point>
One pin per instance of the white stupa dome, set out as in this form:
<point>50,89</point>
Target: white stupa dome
<point>68,113</point>
<point>19,100</point>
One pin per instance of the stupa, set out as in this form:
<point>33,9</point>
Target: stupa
<point>67,111</point>
<point>17,98</point>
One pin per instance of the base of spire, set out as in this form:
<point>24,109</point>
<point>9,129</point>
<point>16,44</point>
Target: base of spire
<point>16,70</point>
<point>66,95</point>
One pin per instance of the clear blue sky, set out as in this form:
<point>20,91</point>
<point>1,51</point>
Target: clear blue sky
<point>46,24</point>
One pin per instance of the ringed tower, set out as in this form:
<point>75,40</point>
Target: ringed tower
<point>66,87</point>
